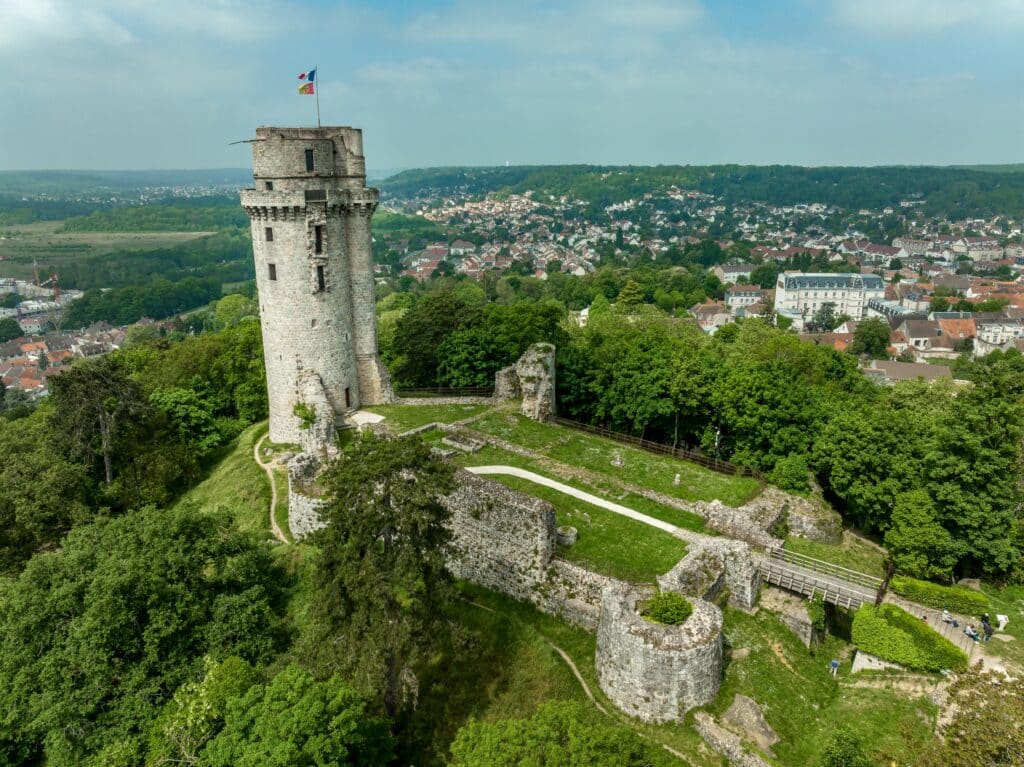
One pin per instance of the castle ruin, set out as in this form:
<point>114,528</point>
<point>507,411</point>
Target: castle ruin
<point>310,213</point>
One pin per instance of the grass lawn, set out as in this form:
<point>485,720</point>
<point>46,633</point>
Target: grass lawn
<point>803,703</point>
<point>401,418</point>
<point>853,553</point>
<point>650,470</point>
<point>238,484</point>
<point>608,543</point>
<point>281,509</point>
<point>493,456</point>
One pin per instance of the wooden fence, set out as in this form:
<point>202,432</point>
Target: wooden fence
<point>723,467</point>
<point>780,554</point>
<point>447,391</point>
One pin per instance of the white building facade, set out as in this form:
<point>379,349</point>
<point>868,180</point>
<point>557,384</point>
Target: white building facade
<point>807,293</point>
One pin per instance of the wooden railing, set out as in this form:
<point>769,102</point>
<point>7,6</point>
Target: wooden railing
<point>808,583</point>
<point>446,391</point>
<point>723,467</point>
<point>780,554</point>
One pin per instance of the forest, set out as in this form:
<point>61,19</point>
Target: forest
<point>955,193</point>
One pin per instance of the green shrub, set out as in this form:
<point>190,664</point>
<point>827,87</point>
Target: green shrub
<point>956,599</point>
<point>669,608</point>
<point>895,635</point>
<point>790,473</point>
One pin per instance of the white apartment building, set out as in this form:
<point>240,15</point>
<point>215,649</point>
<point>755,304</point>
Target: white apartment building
<point>807,293</point>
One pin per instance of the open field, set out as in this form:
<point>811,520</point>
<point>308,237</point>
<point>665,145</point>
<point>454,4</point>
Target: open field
<point>608,542</point>
<point>493,456</point>
<point>41,241</point>
<point>587,451</point>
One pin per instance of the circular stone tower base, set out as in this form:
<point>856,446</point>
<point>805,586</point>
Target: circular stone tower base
<point>652,671</point>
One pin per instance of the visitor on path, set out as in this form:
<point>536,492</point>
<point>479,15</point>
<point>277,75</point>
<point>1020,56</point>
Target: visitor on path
<point>988,631</point>
<point>834,667</point>
<point>946,617</point>
<point>972,632</point>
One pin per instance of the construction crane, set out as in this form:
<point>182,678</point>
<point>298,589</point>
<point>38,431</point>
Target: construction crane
<point>52,280</point>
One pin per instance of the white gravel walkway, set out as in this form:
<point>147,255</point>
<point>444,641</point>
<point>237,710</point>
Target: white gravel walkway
<point>513,471</point>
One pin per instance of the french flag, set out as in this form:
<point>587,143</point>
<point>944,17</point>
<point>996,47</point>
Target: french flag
<point>309,76</point>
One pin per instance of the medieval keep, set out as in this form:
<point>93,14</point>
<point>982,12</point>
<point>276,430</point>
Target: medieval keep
<point>310,212</point>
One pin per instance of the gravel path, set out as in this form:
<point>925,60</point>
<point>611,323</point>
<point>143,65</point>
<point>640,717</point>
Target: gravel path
<point>594,500</point>
<point>269,469</point>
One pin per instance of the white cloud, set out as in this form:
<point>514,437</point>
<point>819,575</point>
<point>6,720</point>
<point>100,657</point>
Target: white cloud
<point>35,24</point>
<point>902,17</point>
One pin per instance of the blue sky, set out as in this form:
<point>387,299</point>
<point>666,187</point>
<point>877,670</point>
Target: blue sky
<point>168,84</point>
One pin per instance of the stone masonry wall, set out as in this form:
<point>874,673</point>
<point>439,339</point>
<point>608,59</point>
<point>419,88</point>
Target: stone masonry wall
<point>712,564</point>
<point>316,291</point>
<point>502,539</point>
<point>655,672</point>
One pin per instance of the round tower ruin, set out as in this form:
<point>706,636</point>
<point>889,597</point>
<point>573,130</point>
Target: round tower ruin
<point>310,213</point>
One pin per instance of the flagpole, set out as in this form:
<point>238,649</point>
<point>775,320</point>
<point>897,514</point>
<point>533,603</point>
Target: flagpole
<point>316,92</point>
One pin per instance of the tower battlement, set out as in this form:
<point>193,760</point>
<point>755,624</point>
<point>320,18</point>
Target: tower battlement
<point>310,212</point>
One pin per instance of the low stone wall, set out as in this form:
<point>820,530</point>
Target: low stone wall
<point>712,564</point>
<point>574,593</point>
<point>754,521</point>
<point>651,671</point>
<point>726,743</point>
<point>792,611</point>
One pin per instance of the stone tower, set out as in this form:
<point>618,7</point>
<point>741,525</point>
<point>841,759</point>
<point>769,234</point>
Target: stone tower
<point>310,212</point>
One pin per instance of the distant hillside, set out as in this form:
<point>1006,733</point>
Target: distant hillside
<point>74,182</point>
<point>948,191</point>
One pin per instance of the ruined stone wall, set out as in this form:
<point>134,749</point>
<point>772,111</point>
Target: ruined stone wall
<point>532,377</point>
<point>651,671</point>
<point>303,503</point>
<point>714,564</point>
<point>573,593</point>
<point>502,539</point>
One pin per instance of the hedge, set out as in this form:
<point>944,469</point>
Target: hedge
<point>895,635</point>
<point>956,599</point>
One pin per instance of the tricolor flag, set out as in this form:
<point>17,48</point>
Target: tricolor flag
<point>307,88</point>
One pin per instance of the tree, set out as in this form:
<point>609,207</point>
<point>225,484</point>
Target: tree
<point>231,309</point>
<point>558,733</point>
<point>939,304</point>
<point>825,319</point>
<point>765,275</point>
<point>630,297</point>
<point>42,493</point>
<point>381,578</point>
<point>421,330</point>
<point>9,330</point>
<point>93,637</point>
<point>296,721</point>
<point>918,545</point>
<point>871,337</point>
<point>196,712</point>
